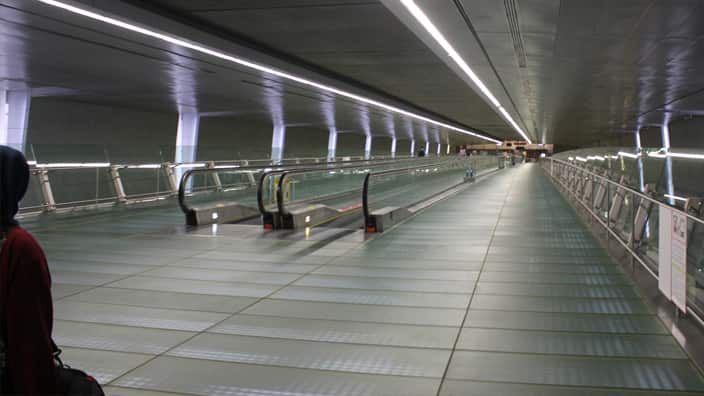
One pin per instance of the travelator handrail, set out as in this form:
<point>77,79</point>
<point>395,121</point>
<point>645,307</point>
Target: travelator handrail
<point>370,175</point>
<point>183,184</point>
<point>281,202</point>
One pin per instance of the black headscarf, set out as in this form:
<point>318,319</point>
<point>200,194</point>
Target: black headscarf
<point>14,179</point>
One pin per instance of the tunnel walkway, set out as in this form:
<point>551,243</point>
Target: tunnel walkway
<point>498,290</point>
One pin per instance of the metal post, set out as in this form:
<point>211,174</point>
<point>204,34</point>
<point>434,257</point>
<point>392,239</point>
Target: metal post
<point>215,176</point>
<point>47,193</point>
<point>117,183</point>
<point>171,177</point>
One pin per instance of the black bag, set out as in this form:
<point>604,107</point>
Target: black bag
<point>74,382</point>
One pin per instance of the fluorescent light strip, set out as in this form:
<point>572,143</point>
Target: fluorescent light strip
<point>220,55</point>
<point>629,155</point>
<point>675,197</point>
<point>423,19</point>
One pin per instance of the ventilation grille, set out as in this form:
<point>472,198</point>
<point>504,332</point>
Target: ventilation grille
<point>514,27</point>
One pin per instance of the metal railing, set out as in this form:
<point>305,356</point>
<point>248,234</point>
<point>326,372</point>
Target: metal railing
<point>631,217</point>
<point>68,186</point>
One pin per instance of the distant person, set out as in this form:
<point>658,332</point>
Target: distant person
<point>421,153</point>
<point>463,152</point>
<point>26,311</point>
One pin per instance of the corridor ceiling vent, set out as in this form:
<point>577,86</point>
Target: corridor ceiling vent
<point>428,25</point>
<point>515,29</point>
<point>203,49</point>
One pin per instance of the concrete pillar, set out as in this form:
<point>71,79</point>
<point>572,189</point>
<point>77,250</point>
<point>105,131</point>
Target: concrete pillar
<point>368,147</point>
<point>393,147</point>
<point>639,161</point>
<point>413,147</point>
<point>186,140</point>
<point>439,149</point>
<point>332,144</point>
<point>278,138</point>
<point>14,118</point>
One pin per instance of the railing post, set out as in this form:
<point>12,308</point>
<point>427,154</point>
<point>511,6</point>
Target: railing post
<point>171,177</point>
<point>117,183</point>
<point>47,193</point>
<point>215,176</point>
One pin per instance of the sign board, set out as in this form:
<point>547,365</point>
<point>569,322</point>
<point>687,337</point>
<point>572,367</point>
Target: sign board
<point>672,269</point>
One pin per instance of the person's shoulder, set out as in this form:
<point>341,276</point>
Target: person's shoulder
<point>22,240</point>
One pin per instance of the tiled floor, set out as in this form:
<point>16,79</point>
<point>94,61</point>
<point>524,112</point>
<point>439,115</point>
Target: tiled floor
<point>496,291</point>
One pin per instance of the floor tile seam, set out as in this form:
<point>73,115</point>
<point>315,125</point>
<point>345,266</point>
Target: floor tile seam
<point>216,282</point>
<point>560,283</point>
<point>176,266</point>
<point>352,321</point>
<point>319,370</point>
<point>311,274</point>
<point>124,326</point>
<point>366,304</point>
<point>415,348</point>
<point>358,289</point>
<point>469,304</point>
<point>213,325</point>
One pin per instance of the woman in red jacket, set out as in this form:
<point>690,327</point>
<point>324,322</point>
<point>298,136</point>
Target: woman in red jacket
<point>26,311</point>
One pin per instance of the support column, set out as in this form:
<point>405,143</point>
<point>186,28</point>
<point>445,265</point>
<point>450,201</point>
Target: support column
<point>368,147</point>
<point>186,140</point>
<point>332,145</point>
<point>439,149</point>
<point>14,107</point>
<point>639,161</point>
<point>278,139</point>
<point>668,161</point>
<point>413,147</point>
<point>393,147</point>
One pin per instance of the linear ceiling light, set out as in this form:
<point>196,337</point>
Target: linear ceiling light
<point>423,19</point>
<point>242,62</point>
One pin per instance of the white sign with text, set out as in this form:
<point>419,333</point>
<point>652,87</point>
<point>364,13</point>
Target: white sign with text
<point>672,269</point>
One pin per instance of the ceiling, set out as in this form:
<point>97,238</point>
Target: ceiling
<point>592,69</point>
<point>570,72</point>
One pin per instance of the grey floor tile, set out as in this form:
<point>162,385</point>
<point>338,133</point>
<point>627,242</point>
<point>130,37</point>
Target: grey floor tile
<point>247,266</point>
<point>104,366</point>
<point>195,286</point>
<point>136,316</point>
<point>522,341</point>
<point>529,277</point>
<point>116,338</point>
<point>316,355</point>
<point>118,391</point>
<point>167,300</point>
<point>61,290</point>
<point>83,278</point>
<point>595,323</point>
<point>556,290</point>
<point>374,297</point>
<point>431,264</point>
<point>366,283</point>
<point>226,379</point>
<point>358,313</point>
<point>547,304</point>
<point>94,267</point>
<point>272,278</point>
<point>339,331</point>
<point>399,273</point>
<point>646,374</point>
<point>475,388</point>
